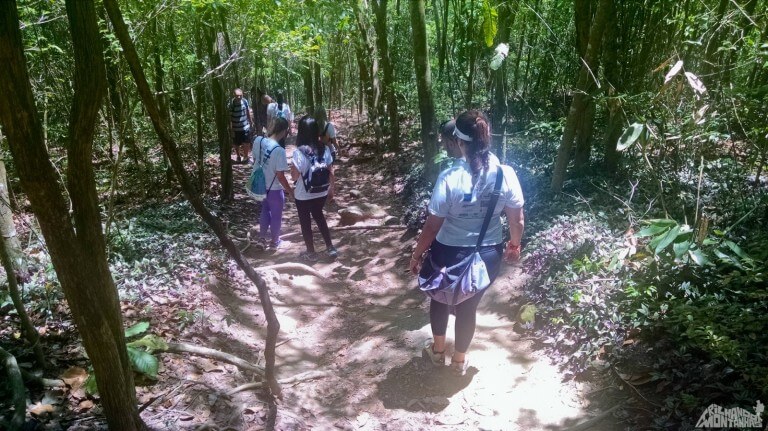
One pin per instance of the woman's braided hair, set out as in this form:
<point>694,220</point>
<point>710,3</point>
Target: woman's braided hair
<point>474,124</point>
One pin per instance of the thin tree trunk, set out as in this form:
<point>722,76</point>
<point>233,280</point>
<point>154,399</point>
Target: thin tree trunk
<point>75,241</point>
<point>221,116</point>
<point>199,95</point>
<point>424,86</point>
<point>170,148</point>
<point>499,80</point>
<point>309,103</point>
<point>382,43</point>
<point>317,85</point>
<point>584,88</point>
<point>11,258</point>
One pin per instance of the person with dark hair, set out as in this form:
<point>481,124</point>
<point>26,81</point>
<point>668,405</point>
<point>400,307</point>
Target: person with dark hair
<point>240,124</point>
<point>279,109</point>
<point>327,130</point>
<point>260,113</point>
<point>458,205</point>
<point>271,155</point>
<point>451,143</point>
<point>312,170</point>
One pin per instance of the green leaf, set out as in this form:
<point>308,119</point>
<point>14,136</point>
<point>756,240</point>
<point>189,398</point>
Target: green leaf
<point>151,342</point>
<point>136,329</point>
<point>630,136</point>
<point>662,222</point>
<point>90,384</point>
<point>490,16</point>
<point>698,257</point>
<point>680,248</point>
<point>736,249</point>
<point>667,239</point>
<point>651,230</point>
<point>528,313</point>
<point>143,362</point>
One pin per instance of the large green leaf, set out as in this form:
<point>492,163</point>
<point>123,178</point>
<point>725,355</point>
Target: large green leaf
<point>490,16</point>
<point>667,239</point>
<point>634,132</point>
<point>651,230</point>
<point>90,384</point>
<point>151,342</point>
<point>143,362</point>
<point>698,257</point>
<point>136,329</point>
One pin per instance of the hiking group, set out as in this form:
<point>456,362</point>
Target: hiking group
<point>459,252</point>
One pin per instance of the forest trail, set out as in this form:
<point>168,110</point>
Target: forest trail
<point>363,325</point>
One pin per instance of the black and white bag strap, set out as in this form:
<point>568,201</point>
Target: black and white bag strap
<point>491,207</point>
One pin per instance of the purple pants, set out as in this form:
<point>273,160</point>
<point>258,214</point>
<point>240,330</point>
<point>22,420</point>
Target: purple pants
<point>272,214</point>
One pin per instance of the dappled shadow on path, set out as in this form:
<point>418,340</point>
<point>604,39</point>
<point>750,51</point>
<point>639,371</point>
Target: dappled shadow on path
<point>419,386</point>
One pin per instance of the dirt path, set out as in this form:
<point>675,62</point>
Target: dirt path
<point>364,325</point>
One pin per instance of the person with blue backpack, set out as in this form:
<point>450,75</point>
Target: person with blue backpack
<point>464,221</point>
<point>269,154</point>
<point>279,109</point>
<point>312,170</point>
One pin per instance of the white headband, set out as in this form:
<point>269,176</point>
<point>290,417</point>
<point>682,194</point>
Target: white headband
<point>458,133</point>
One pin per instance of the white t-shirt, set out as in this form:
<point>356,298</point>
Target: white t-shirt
<point>463,206</point>
<point>492,160</point>
<point>302,165</point>
<point>330,130</point>
<point>272,112</point>
<point>277,161</point>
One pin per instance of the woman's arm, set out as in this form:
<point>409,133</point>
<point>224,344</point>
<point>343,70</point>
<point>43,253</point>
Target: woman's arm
<point>428,234</point>
<point>516,219</point>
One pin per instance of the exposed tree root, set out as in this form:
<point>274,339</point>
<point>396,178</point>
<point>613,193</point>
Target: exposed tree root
<point>19,392</point>
<point>288,267</point>
<point>214,354</point>
<point>41,381</point>
<point>303,377</point>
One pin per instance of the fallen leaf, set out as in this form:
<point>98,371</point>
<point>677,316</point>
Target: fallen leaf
<point>85,405</point>
<point>74,377</point>
<point>41,409</point>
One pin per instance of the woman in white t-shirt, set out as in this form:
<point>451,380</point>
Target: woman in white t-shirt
<point>279,109</point>
<point>312,169</point>
<point>327,131</point>
<point>457,208</point>
<point>268,153</point>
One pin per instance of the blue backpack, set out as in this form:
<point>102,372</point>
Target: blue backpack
<point>256,186</point>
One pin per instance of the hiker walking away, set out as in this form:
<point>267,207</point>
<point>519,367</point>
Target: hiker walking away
<point>271,155</point>
<point>452,229</point>
<point>279,109</point>
<point>260,111</point>
<point>327,131</point>
<point>312,169</point>
<point>240,124</point>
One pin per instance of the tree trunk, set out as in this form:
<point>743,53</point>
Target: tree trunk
<point>221,115</point>
<point>584,87</point>
<point>382,44</point>
<point>199,95</point>
<point>472,47</point>
<point>424,85</point>
<point>367,52</point>
<point>499,80</point>
<point>309,103</point>
<point>76,245</point>
<point>613,87</point>
<point>192,195</point>
<point>317,82</point>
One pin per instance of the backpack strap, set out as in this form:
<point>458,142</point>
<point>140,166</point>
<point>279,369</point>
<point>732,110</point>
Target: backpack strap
<point>491,207</point>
